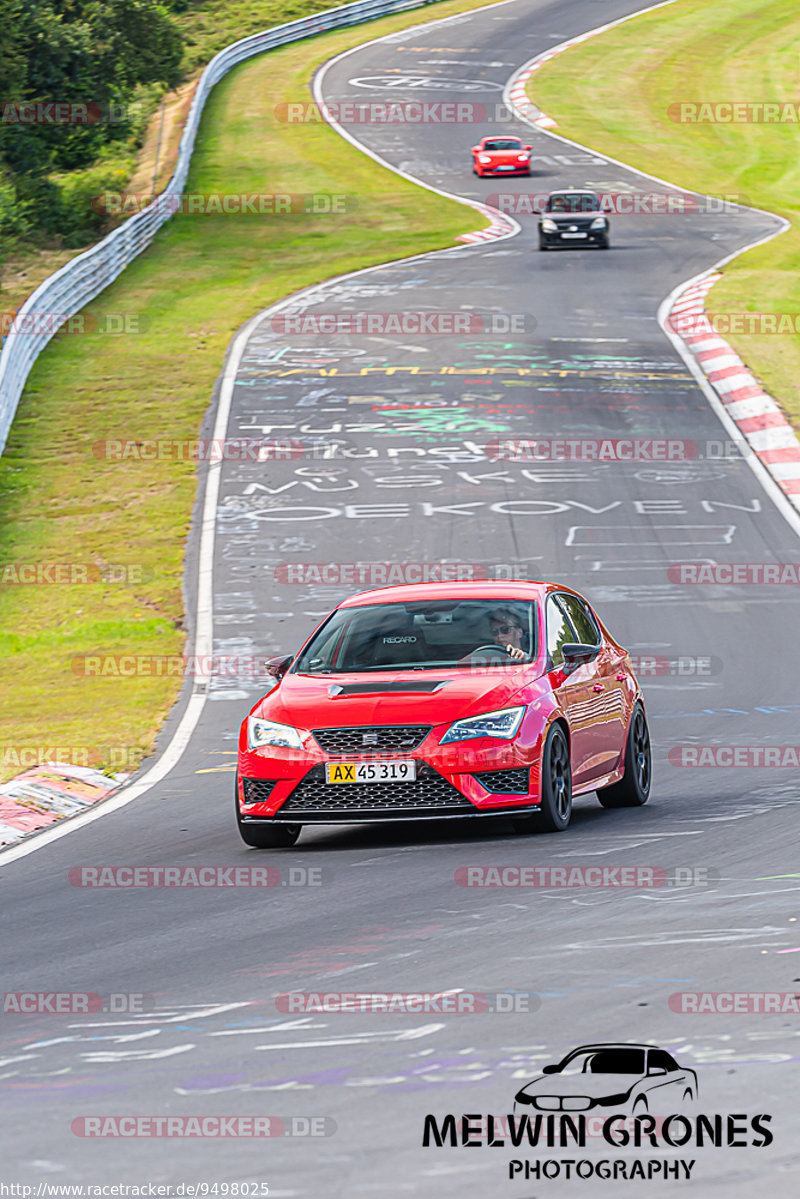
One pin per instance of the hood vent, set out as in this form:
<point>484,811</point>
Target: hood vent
<point>376,688</point>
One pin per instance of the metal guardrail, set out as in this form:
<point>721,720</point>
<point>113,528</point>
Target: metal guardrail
<point>66,291</point>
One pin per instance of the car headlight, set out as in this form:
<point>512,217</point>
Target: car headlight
<point>549,226</point>
<point>524,157</point>
<point>599,222</point>
<point>484,158</point>
<point>502,724</point>
<point>267,732</point>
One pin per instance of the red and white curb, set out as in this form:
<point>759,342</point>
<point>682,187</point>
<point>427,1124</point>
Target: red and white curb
<point>517,96</point>
<point>498,228</point>
<point>47,793</point>
<point>755,413</point>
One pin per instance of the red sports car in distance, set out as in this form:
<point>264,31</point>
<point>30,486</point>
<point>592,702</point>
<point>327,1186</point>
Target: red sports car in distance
<point>445,700</point>
<point>501,156</point>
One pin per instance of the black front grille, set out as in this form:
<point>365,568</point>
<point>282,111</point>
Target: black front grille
<point>508,781</point>
<point>380,739</point>
<point>257,790</point>
<point>429,793</point>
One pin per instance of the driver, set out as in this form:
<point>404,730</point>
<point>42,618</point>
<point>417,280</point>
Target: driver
<point>507,632</point>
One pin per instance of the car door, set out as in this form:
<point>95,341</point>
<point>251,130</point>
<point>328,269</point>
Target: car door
<point>607,705</point>
<point>571,690</point>
<point>665,1081</point>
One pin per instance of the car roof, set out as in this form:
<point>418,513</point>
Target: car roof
<point>612,1045</point>
<point>491,589</point>
<point>574,191</point>
<point>506,137</point>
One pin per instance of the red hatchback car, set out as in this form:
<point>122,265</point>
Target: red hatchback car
<point>445,700</point>
<point>501,156</point>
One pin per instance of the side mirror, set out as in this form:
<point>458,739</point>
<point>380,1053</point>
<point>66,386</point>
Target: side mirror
<point>537,211</point>
<point>529,147</point>
<point>475,149</point>
<point>550,1070</point>
<point>656,1070</point>
<point>576,654</point>
<point>277,667</point>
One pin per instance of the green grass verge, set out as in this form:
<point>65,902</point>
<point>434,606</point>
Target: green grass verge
<point>210,25</point>
<point>614,92</point>
<point>199,281</point>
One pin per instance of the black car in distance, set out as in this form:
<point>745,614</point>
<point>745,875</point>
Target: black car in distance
<point>573,217</point>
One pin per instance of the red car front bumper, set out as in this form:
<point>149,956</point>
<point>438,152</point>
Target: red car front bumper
<point>473,778</point>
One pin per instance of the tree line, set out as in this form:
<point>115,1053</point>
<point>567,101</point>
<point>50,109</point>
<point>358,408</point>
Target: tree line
<point>79,80</point>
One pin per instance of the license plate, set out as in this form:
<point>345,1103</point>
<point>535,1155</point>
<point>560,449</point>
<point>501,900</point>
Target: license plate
<point>504,168</point>
<point>573,235</point>
<point>404,771</point>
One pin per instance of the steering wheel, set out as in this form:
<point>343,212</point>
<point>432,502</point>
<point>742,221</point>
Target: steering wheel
<point>483,649</point>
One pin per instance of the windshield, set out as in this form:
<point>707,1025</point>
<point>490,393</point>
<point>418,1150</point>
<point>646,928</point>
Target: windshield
<point>423,636</point>
<point>574,202</point>
<point>605,1061</point>
<point>500,143</point>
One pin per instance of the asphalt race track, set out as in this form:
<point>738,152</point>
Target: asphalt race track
<point>560,345</point>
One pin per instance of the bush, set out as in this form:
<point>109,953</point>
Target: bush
<point>75,217</point>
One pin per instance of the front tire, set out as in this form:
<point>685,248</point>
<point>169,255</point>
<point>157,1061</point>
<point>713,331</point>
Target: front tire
<point>264,836</point>
<point>555,809</point>
<point>633,789</point>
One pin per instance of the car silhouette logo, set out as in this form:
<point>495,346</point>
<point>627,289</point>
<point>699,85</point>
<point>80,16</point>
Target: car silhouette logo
<point>616,1076</point>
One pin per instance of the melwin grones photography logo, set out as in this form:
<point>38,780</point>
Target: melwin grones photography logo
<point>611,1095</point>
